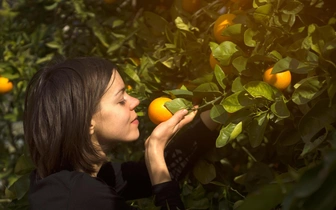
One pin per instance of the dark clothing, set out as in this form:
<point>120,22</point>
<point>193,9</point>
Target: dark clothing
<point>118,182</point>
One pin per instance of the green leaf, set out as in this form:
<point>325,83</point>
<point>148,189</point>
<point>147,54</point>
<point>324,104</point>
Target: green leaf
<point>288,136</point>
<point>219,114</point>
<point>316,188</point>
<point>47,57</point>
<point>308,89</point>
<point>318,36</point>
<point>257,3</point>
<point>256,129</point>
<point>292,7</point>
<point>258,174</point>
<point>98,31</point>
<point>258,89</point>
<point>238,84</point>
<point>225,51</point>
<point>263,13</point>
<point>243,115</point>
<point>114,46</point>
<point>208,87</point>
<point>178,104</point>
<point>280,109</point>
<point>183,24</point>
<point>237,130</point>
<point>265,198</point>
<point>204,172</point>
<point>275,55</point>
<point>200,203</point>
<point>234,31</point>
<point>168,61</point>
<point>23,165</point>
<point>179,92</point>
<point>19,188</point>
<point>316,119</point>
<point>329,47</point>
<point>310,146</point>
<point>220,76</point>
<point>228,133</point>
<point>52,6</point>
<point>115,23</point>
<point>293,65</point>
<point>130,71</point>
<point>213,46</point>
<point>248,37</point>
<point>155,22</point>
<point>240,63</point>
<point>54,45</point>
<point>237,101</point>
<point>332,87</point>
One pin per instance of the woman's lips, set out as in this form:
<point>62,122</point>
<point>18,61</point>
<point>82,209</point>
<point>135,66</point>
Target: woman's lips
<point>135,121</point>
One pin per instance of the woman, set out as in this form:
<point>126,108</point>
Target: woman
<point>74,111</point>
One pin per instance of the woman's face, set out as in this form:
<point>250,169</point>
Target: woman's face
<point>116,119</point>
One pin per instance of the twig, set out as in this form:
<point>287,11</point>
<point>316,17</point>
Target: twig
<point>249,154</point>
<point>206,104</point>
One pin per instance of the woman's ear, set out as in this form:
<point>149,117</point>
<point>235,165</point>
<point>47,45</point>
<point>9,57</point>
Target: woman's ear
<point>92,126</point>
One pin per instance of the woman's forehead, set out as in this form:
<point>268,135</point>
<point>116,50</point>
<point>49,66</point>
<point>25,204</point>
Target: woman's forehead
<point>116,83</point>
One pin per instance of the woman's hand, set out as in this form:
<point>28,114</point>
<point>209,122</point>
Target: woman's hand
<point>157,141</point>
<point>164,132</point>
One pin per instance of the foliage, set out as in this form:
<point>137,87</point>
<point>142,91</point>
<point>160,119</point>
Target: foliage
<point>271,143</point>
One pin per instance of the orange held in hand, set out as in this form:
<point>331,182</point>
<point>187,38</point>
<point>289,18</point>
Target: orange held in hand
<point>220,24</point>
<point>279,80</point>
<point>157,112</point>
<point>191,6</point>
<point>5,85</point>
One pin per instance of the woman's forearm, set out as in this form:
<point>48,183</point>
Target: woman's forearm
<point>156,164</point>
<point>157,142</point>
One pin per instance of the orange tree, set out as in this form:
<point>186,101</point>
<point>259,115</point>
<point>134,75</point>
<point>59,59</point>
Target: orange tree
<point>275,148</point>
<point>272,142</point>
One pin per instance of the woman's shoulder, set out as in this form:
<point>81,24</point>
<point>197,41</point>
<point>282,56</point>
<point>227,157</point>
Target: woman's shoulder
<point>69,189</point>
<point>64,178</point>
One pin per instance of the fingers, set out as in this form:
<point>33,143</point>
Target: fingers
<point>181,118</point>
<point>166,130</point>
<point>178,116</point>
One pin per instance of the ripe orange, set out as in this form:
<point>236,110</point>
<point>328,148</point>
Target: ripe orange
<point>214,61</point>
<point>129,87</point>
<point>279,80</point>
<point>5,85</point>
<point>157,112</point>
<point>191,6</point>
<point>220,24</point>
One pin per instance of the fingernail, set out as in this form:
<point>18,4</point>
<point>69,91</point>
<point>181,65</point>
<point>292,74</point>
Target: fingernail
<point>185,111</point>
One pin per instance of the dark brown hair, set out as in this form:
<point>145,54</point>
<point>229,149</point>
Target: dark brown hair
<point>59,105</point>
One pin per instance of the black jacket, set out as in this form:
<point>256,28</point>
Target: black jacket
<point>118,182</point>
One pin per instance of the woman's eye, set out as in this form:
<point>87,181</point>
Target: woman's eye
<point>123,102</point>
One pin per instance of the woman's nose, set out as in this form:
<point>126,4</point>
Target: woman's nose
<point>134,102</point>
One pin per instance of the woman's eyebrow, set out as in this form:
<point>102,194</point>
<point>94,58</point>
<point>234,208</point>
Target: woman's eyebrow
<point>120,91</point>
